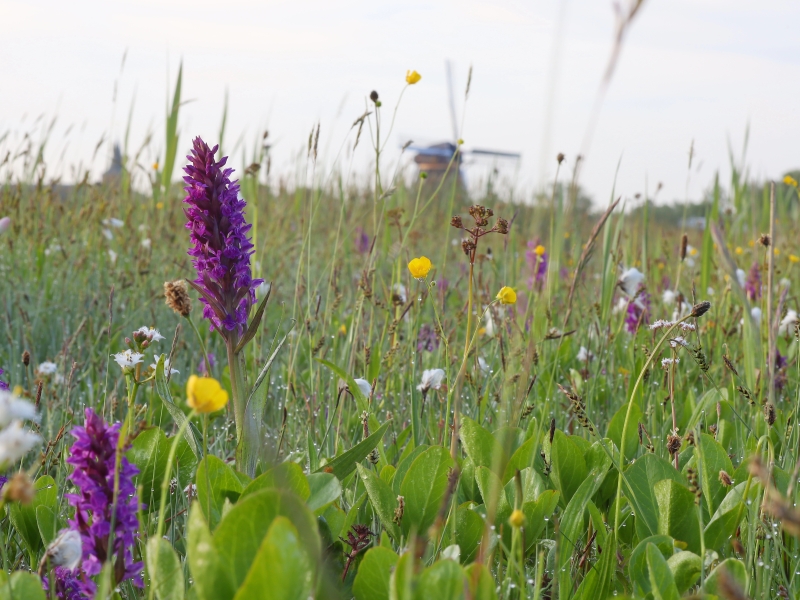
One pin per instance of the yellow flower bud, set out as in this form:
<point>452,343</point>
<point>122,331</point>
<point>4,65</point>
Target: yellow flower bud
<point>506,295</point>
<point>420,267</point>
<point>412,77</point>
<point>205,394</point>
<point>517,519</point>
<point>539,250</point>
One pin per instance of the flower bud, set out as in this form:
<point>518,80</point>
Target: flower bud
<point>26,358</point>
<point>517,519</point>
<point>373,95</point>
<point>456,222</point>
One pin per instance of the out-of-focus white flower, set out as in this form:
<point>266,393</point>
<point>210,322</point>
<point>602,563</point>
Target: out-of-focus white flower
<point>788,322</point>
<point>167,365</point>
<point>741,277</point>
<point>678,341</point>
<point>584,355</point>
<point>364,386</point>
<point>263,289</point>
<point>620,306</point>
<point>687,326</point>
<point>710,291</point>
<point>15,409</point>
<point>66,550</point>
<point>685,309</point>
<point>46,368</point>
<point>668,297</point>
<point>630,281</point>
<point>665,362</point>
<point>399,290</point>
<point>784,282</point>
<point>5,223</point>
<point>489,324</point>
<point>15,442</point>
<point>143,227</point>
<point>52,248</point>
<point>150,333</point>
<point>108,234</point>
<point>112,222</point>
<point>483,365</point>
<point>755,312</point>
<point>660,324</point>
<point>146,243</point>
<point>128,360</point>
<point>431,379</point>
<point>113,256</point>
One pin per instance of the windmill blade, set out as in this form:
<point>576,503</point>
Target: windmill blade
<point>494,153</point>
<point>451,97</point>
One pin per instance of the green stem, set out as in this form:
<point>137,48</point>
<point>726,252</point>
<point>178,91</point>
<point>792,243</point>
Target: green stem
<point>246,427</point>
<point>202,345</point>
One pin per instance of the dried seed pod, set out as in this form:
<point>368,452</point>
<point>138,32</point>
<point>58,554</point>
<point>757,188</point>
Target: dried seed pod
<point>725,479</point>
<point>701,308</point>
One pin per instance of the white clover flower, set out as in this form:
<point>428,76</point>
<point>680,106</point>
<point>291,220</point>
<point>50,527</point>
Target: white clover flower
<point>584,355</point>
<point>15,409</point>
<point>665,362</point>
<point>112,256</point>
<point>788,322</point>
<point>167,365</point>
<point>668,297</point>
<point>365,387</point>
<point>15,442</point>
<point>112,222</point>
<point>128,360</point>
<point>146,243</point>
<point>66,550</point>
<point>741,277</point>
<point>150,333</point>
<point>46,368</point>
<point>431,379</point>
<point>630,281</point>
<point>399,290</point>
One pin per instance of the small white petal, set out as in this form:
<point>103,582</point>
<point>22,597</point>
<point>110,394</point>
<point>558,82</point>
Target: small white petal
<point>364,386</point>
<point>66,550</point>
<point>15,442</point>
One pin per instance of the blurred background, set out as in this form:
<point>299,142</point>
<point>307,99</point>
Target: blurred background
<point>86,75</point>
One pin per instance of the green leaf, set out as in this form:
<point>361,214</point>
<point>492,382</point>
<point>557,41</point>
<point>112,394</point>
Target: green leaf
<point>494,495</point>
<point>443,580</point>
<point>383,501</point>
<point>345,463</point>
<point>661,582</point>
<point>713,459</point>
<point>282,569</point>
<point>616,425</point>
<point>400,583</point>
<point>325,490</point>
<point>638,571</point>
<point>285,476</point>
<point>685,567</point>
<point>469,532</point>
<point>521,459</point>
<point>224,484</point>
<point>569,467</point>
<point>405,465</point>
<point>21,585</point>
<point>361,400</point>
<point>424,487</point>
<point>481,446</point>
<point>678,513</point>
<point>211,580</point>
<point>374,573</point>
<point>164,569</point>
<point>735,571</point>
<point>536,516</point>
<point>480,582</point>
<point>23,516</point>
<point>639,483</point>
<point>47,522</point>
<point>598,582</point>
<point>162,388</point>
<point>150,453</point>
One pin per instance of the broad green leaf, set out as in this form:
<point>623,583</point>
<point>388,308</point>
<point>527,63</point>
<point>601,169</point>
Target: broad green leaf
<point>383,501</point>
<point>598,582</point>
<point>325,489</point>
<point>424,487</point>
<point>678,513</point>
<point>164,569</point>
<point>285,476</point>
<point>224,484</point>
<point>569,467</point>
<point>150,453</point>
<point>401,581</point>
<point>443,580</point>
<point>47,523</point>
<point>632,435</point>
<point>481,446</point>
<point>469,532</point>
<point>480,581</point>
<point>638,572</point>
<point>721,528</point>
<point>23,516</point>
<point>212,581</point>
<point>404,465</point>
<point>685,567</point>
<point>494,495</point>
<point>374,572</point>
<point>639,483</point>
<point>713,459</point>
<point>521,459</point>
<point>735,571</point>
<point>282,569</point>
<point>661,582</point>
<point>21,585</point>
<point>345,463</point>
<point>537,514</point>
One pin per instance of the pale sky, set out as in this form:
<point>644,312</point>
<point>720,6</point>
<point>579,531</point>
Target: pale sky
<point>697,70</point>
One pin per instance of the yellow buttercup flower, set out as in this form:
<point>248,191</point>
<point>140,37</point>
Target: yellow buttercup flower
<point>539,250</point>
<point>789,180</point>
<point>159,205</point>
<point>517,519</point>
<point>506,295</point>
<point>420,267</point>
<point>412,77</point>
<point>739,250</point>
<point>794,259</point>
<point>205,394</point>
<point>342,329</point>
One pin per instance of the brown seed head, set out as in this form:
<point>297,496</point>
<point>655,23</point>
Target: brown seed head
<point>26,358</point>
<point>20,489</point>
<point>502,226</point>
<point>560,157</point>
<point>457,222</point>
<point>701,308</point>
<point>177,297</point>
<point>373,95</point>
<point>765,240</point>
<point>769,413</point>
<point>725,479</point>
<point>673,444</point>
<point>468,246</point>
<point>684,244</point>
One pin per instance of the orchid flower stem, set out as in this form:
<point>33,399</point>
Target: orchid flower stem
<point>246,430</point>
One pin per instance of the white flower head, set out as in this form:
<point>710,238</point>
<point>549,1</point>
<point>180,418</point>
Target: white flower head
<point>112,222</point>
<point>128,360</point>
<point>678,341</point>
<point>710,291</point>
<point>399,290</point>
<point>631,280</point>
<point>741,277</point>
<point>66,550</point>
<point>167,365</point>
<point>148,333</point>
<point>365,387</point>
<point>146,243</point>
<point>489,324</point>
<point>686,326</point>
<point>46,369</point>
<point>483,365</point>
<point>584,355</point>
<point>785,282</point>
<point>15,409</point>
<point>755,312</point>
<point>661,324</point>
<point>108,234</point>
<point>788,322</point>
<point>431,379</point>
<point>668,297</point>
<point>15,442</point>
<point>665,362</point>
<point>112,257</point>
